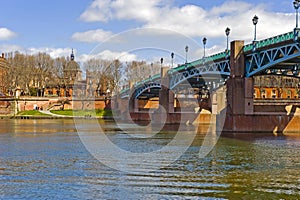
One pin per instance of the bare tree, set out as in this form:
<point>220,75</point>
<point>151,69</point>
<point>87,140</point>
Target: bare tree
<point>96,74</point>
<point>114,76</point>
<point>43,71</point>
<point>63,102</point>
<point>140,70</point>
<point>58,80</point>
<point>33,73</point>
<point>20,71</point>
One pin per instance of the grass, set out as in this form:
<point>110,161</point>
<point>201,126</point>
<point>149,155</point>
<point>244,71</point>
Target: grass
<point>32,113</point>
<point>94,113</point>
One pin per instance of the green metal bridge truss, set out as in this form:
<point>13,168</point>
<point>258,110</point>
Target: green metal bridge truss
<point>219,69</point>
<point>278,55</point>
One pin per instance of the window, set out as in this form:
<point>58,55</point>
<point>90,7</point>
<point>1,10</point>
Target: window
<point>274,94</point>
<point>263,93</point>
<point>289,94</point>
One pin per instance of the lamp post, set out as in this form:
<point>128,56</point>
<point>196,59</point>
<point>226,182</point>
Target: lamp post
<point>161,62</point>
<point>296,6</point>
<point>151,69</point>
<point>255,21</point>
<point>204,43</point>
<point>227,32</point>
<point>172,58</point>
<point>186,52</point>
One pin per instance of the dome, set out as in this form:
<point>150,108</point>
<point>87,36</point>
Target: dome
<point>72,69</point>
<point>72,66</point>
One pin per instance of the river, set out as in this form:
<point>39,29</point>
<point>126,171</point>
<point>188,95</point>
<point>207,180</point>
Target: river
<point>46,159</point>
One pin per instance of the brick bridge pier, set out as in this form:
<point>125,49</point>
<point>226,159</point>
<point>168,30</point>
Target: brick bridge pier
<point>233,107</point>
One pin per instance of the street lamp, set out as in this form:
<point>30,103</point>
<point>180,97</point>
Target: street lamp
<point>161,62</point>
<point>227,32</point>
<point>296,6</point>
<point>172,57</point>
<point>255,21</point>
<point>186,52</point>
<point>151,69</point>
<point>204,43</point>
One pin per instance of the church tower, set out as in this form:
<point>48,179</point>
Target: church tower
<point>72,74</point>
<point>72,55</point>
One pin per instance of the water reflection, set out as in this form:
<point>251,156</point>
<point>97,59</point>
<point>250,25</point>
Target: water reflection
<point>45,159</point>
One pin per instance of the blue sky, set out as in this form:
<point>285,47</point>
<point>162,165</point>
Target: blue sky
<point>90,26</point>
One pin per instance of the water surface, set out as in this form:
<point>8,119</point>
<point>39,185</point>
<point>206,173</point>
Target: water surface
<point>45,159</point>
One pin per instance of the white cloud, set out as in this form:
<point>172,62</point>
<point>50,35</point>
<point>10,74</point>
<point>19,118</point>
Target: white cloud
<point>92,36</point>
<point>230,8</point>
<point>141,10</point>
<point>109,55</point>
<point>6,34</point>
<point>123,56</point>
<point>193,20</point>
<point>53,52</point>
<point>99,10</point>
<point>104,10</point>
<point>10,48</point>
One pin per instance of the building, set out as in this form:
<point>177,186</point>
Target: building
<point>3,75</point>
<point>72,77</point>
<point>276,87</point>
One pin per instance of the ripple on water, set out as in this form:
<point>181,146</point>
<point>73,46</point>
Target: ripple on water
<point>52,163</point>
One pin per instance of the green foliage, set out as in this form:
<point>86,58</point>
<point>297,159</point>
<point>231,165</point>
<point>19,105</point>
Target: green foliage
<point>101,112</point>
<point>92,113</point>
<point>33,91</point>
<point>32,113</point>
<point>62,112</point>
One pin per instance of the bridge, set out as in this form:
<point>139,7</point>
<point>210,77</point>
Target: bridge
<point>223,84</point>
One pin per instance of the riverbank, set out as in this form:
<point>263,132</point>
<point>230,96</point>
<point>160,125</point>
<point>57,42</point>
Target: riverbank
<point>53,117</point>
<point>59,114</point>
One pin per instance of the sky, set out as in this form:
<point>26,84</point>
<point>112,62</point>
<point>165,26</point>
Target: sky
<point>137,29</point>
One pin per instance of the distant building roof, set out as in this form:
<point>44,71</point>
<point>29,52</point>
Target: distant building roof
<point>72,66</point>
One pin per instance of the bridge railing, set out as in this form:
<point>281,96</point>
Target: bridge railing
<point>222,55</point>
<point>151,78</point>
<point>140,83</point>
<point>201,61</point>
<point>270,41</point>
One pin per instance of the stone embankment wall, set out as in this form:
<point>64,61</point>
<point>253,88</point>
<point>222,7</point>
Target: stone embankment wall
<point>10,106</point>
<point>6,106</point>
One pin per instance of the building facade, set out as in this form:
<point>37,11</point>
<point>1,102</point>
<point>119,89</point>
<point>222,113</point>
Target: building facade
<point>3,75</point>
<point>72,78</point>
<point>282,87</point>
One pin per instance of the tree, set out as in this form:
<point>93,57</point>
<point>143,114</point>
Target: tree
<point>96,75</point>
<point>33,73</point>
<point>63,102</point>
<point>43,70</point>
<point>140,70</point>
<point>114,75</point>
<point>20,71</point>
